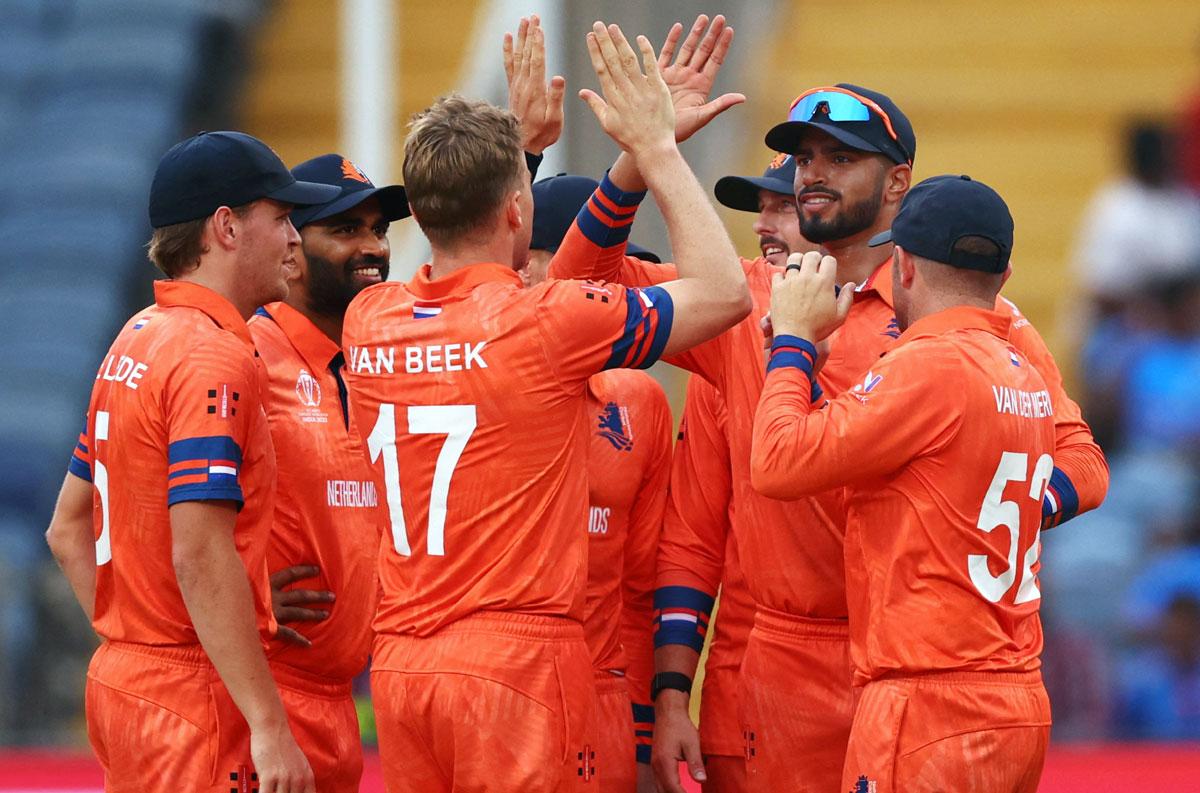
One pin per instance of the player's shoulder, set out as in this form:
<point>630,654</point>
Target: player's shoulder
<point>633,385</point>
<point>1009,308</point>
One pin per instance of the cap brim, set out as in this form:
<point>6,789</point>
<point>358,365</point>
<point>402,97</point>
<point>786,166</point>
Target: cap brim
<point>393,203</point>
<point>741,192</point>
<point>882,238</point>
<point>639,252</point>
<point>785,137</point>
<point>304,194</point>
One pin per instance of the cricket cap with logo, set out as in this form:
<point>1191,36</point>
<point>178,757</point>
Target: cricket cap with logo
<point>741,192</point>
<point>942,210</point>
<point>353,188</point>
<point>858,117</point>
<point>199,175</point>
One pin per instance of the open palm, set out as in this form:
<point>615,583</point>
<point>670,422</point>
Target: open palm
<point>690,78</point>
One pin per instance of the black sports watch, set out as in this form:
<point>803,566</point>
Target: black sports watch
<point>674,680</point>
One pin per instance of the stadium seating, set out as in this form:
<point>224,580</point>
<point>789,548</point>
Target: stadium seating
<point>91,93</point>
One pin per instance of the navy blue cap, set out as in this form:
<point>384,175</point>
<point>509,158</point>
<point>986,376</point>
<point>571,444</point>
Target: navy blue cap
<point>869,135</point>
<point>556,202</point>
<point>940,211</point>
<point>215,169</point>
<point>741,192</point>
<point>353,188</point>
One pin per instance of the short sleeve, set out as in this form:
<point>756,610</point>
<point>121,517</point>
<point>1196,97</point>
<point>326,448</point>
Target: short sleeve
<point>587,327</point>
<point>209,403</point>
<point>81,458</point>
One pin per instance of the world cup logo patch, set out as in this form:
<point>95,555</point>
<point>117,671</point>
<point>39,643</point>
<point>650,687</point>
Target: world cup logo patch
<point>308,390</point>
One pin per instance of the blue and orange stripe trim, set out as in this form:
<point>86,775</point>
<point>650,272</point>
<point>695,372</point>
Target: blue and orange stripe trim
<point>797,353</point>
<point>650,313</point>
<point>643,730</point>
<point>681,616</point>
<point>79,464</point>
<point>607,217</point>
<point>1061,501</point>
<point>204,469</point>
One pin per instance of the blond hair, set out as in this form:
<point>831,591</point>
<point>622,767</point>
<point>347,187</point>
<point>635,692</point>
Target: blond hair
<point>462,158</point>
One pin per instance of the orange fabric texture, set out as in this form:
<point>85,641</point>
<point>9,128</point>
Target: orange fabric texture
<point>328,511</point>
<point>470,394</point>
<point>974,733</point>
<point>491,702</point>
<point>796,741</point>
<point>324,723</point>
<point>614,730</point>
<point>698,550</point>
<point>629,462</point>
<point>951,440</point>
<point>175,415</point>
<point>159,718</point>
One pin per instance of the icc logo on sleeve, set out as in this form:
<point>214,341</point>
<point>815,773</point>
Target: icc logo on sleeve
<point>308,391</point>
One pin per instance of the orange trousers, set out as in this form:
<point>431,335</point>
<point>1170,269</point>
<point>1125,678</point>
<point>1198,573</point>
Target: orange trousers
<point>972,732</point>
<point>797,703</point>
<point>615,740</point>
<point>159,718</point>
<point>495,701</point>
<point>721,737</point>
<point>324,722</point>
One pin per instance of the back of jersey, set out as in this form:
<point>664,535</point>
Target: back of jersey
<point>175,415</point>
<point>950,542</point>
<point>470,393</point>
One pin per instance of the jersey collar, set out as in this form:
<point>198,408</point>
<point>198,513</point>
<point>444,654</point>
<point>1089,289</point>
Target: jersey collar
<point>880,283</point>
<point>959,318</point>
<point>187,294</point>
<point>314,346</point>
<point>462,280</point>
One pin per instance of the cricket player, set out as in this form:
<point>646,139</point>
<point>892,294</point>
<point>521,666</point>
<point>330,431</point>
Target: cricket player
<point>629,463</point>
<point>471,393</point>
<point>853,150</point>
<point>164,519</point>
<point>697,553</point>
<point>945,455</point>
<point>328,514</point>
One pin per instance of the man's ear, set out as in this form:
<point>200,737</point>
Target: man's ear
<point>899,179</point>
<point>224,229</point>
<point>905,266</point>
<point>512,211</point>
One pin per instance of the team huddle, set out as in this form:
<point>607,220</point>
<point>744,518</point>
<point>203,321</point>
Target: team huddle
<point>292,467</point>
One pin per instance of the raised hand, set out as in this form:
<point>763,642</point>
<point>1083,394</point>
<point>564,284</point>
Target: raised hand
<point>538,105</point>
<point>804,301</point>
<point>690,78</point>
<point>636,109</point>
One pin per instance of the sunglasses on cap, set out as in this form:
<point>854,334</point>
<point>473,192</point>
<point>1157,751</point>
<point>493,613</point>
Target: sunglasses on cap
<point>839,104</point>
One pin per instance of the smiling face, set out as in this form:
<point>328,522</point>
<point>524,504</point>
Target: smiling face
<point>839,189</point>
<point>342,255</point>
<point>267,250</point>
<point>778,227</point>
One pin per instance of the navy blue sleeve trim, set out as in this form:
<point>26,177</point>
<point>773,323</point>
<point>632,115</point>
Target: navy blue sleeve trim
<point>792,351</point>
<point>1061,502</point>
<point>681,616</point>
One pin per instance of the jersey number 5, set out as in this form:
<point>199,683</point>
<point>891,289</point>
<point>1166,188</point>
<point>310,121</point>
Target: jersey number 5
<point>457,423</point>
<point>100,481</point>
<point>1014,467</point>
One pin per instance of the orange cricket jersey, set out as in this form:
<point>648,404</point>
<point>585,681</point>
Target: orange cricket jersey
<point>697,552</point>
<point>328,511</point>
<point>798,573</point>
<point>470,393</point>
<point>176,415</point>
<point>946,453</point>
<point>629,463</point>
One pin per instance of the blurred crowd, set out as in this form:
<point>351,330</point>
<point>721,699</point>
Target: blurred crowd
<point>1123,583</point>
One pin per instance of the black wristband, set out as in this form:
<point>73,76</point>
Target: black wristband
<point>673,680</point>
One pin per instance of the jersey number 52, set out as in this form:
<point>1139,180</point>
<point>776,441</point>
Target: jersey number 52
<point>996,512</point>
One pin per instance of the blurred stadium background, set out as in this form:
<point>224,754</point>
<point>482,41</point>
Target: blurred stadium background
<point>1085,114</point>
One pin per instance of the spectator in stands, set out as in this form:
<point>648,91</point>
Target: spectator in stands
<point>1142,228</point>
<point>1160,683</point>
